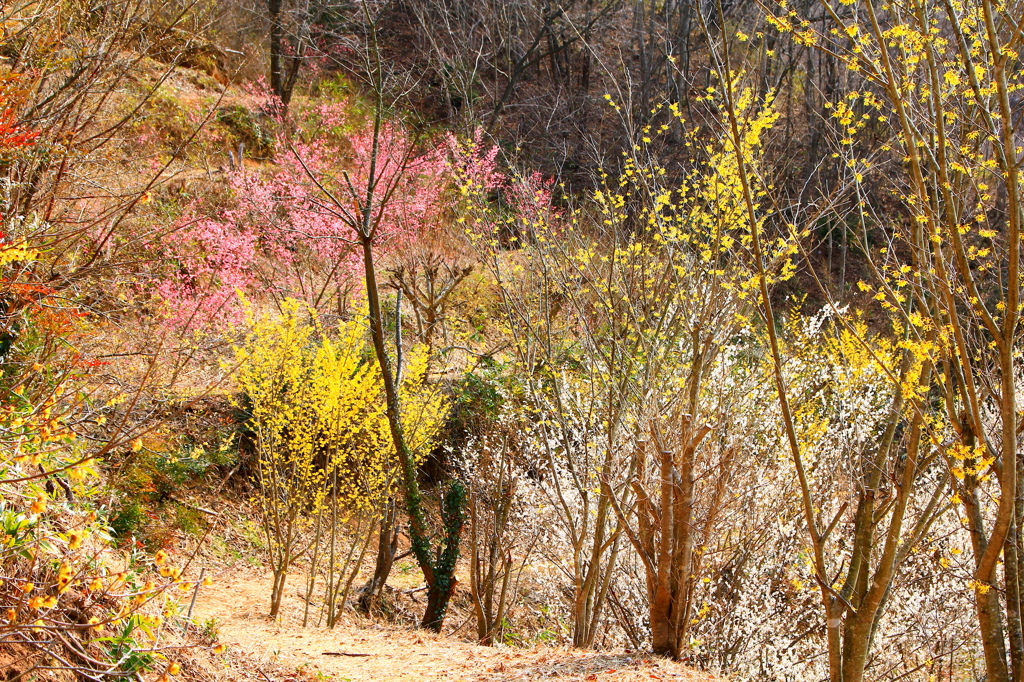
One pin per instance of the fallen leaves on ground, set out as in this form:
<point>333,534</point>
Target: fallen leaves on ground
<point>361,650</point>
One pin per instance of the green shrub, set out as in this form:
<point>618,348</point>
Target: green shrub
<point>251,129</point>
<point>128,520</point>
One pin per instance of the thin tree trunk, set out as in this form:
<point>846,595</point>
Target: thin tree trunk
<point>440,579</point>
<point>277,592</point>
<point>1011,555</point>
<point>387,547</point>
<point>276,41</point>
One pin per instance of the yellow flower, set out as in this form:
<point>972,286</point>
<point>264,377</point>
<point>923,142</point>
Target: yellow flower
<point>174,668</point>
<point>219,649</point>
<point>161,558</point>
<point>75,539</point>
<point>39,506</point>
<point>170,572</point>
<point>41,602</point>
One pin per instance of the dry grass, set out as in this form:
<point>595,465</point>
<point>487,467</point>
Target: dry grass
<point>360,650</point>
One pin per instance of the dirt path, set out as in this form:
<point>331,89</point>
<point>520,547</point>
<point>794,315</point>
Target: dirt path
<point>360,651</point>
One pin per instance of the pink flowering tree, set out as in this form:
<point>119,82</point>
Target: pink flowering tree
<point>428,270</point>
<point>278,233</point>
<point>390,194</point>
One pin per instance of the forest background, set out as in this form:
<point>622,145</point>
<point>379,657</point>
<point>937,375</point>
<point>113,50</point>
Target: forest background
<point>690,327</point>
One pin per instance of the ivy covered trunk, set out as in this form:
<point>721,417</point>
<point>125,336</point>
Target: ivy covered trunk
<point>439,570</point>
<point>440,591</point>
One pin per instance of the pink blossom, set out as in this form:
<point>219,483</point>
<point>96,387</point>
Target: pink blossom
<point>279,223</point>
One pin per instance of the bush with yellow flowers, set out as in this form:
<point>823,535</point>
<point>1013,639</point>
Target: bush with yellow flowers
<point>325,459</point>
<point>69,599</point>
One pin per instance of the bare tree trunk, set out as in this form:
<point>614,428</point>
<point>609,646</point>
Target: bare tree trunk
<point>284,68</point>
<point>277,591</point>
<point>387,547</point>
<point>1012,569</point>
<point>990,618</point>
<point>276,46</point>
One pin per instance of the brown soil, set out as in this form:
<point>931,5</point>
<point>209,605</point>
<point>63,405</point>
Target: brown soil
<point>360,650</point>
<point>17,659</point>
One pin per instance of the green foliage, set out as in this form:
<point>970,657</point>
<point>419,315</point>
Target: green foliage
<point>479,396</point>
<point>150,483</point>
<point>189,520</point>
<point>124,648</point>
<point>211,629</point>
<point>509,636</point>
<point>128,519</point>
<point>251,129</point>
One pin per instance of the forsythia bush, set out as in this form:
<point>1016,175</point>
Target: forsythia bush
<point>317,408</point>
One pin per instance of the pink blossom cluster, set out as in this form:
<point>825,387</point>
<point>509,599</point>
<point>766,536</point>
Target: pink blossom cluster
<point>531,196</point>
<point>473,162</point>
<point>278,219</point>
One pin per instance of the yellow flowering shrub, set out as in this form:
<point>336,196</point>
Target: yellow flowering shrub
<point>316,402</point>
<point>69,598</point>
